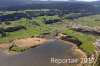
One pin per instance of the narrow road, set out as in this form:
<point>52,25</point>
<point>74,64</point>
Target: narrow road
<point>97,55</point>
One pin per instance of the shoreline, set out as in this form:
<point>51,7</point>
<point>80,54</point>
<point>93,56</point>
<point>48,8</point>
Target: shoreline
<point>77,49</point>
<point>80,51</point>
<point>23,42</point>
<point>34,42</point>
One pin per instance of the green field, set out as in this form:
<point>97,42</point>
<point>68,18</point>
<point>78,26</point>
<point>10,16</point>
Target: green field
<point>36,26</point>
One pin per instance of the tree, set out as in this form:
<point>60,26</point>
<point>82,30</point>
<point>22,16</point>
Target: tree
<point>2,32</point>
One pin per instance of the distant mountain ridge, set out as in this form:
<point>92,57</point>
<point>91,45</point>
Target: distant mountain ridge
<point>13,2</point>
<point>68,5</point>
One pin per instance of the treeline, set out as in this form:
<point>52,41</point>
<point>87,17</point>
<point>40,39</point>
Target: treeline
<point>12,17</point>
<point>2,32</point>
<point>51,12</point>
<point>10,29</point>
<point>76,15</point>
<point>52,21</point>
<point>30,14</point>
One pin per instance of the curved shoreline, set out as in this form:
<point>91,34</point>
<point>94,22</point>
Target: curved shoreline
<point>21,43</point>
<point>75,47</point>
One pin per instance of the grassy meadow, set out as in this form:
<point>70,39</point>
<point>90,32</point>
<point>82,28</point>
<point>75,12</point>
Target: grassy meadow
<point>37,26</point>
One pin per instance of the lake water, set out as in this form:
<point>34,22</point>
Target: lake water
<point>41,55</point>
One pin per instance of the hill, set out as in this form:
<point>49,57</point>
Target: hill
<point>62,5</point>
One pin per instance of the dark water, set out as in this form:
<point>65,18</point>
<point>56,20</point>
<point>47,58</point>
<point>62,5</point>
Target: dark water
<point>41,55</point>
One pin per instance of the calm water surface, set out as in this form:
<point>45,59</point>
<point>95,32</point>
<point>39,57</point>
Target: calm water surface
<point>41,55</point>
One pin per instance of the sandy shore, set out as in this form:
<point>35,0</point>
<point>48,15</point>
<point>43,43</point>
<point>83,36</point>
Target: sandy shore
<point>24,42</point>
<point>76,48</point>
<point>5,45</point>
<point>21,43</point>
<point>33,42</point>
<point>29,42</point>
<point>80,51</point>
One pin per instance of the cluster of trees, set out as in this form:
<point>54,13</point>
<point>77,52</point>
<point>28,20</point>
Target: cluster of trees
<point>12,29</point>
<point>35,23</point>
<point>77,15</point>
<point>52,21</point>
<point>12,17</point>
<point>7,23</point>
<point>30,14</point>
<point>51,12</point>
<point>2,32</point>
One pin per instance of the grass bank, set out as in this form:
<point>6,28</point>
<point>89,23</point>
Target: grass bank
<point>87,40</point>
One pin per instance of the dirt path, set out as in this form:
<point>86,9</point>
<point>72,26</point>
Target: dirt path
<point>97,55</point>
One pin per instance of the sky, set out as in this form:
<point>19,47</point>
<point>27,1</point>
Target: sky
<point>71,0</point>
<point>89,0</point>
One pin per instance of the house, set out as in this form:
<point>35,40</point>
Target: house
<point>97,44</point>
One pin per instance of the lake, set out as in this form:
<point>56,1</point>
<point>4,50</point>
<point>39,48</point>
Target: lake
<point>41,55</point>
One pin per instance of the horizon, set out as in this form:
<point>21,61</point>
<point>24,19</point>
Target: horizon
<point>67,0</point>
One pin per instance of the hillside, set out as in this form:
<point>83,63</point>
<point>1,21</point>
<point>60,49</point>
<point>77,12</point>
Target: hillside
<point>64,5</point>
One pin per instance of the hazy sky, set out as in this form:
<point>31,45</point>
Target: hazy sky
<point>67,0</point>
<point>89,0</point>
